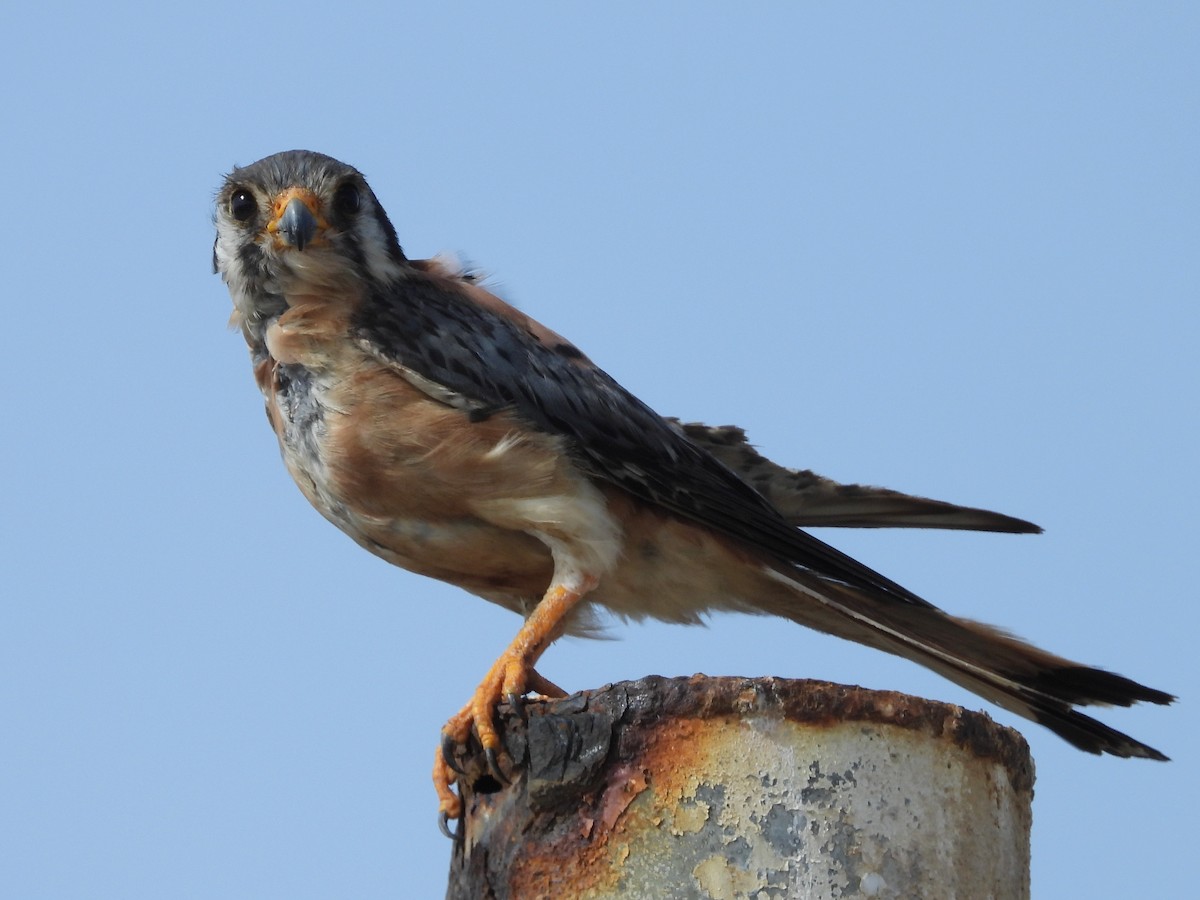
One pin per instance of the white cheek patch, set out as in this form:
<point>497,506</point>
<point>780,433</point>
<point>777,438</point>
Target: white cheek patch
<point>224,256</point>
<point>241,288</point>
<point>374,244</point>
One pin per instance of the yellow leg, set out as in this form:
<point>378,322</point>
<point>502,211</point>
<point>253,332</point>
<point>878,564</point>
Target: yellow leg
<point>510,676</point>
<point>544,686</point>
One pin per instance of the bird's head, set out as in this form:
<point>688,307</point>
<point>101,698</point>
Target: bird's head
<point>299,223</point>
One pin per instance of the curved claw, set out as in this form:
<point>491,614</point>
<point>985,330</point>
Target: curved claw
<point>444,826</point>
<point>517,702</point>
<point>493,765</point>
<point>510,676</point>
<point>449,745</point>
<point>449,803</point>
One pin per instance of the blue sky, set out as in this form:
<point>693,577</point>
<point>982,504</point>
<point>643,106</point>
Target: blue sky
<point>947,248</point>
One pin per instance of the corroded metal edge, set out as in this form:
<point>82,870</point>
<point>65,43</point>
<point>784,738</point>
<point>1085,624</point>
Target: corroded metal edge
<point>579,762</point>
<point>808,702</point>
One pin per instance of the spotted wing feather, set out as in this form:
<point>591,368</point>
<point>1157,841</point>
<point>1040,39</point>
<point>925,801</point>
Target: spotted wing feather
<point>483,361</point>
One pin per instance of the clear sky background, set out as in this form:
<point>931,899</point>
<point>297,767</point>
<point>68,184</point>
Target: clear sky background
<point>947,248</point>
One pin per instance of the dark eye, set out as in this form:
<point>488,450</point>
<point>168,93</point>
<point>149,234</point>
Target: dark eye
<point>347,200</point>
<point>242,205</point>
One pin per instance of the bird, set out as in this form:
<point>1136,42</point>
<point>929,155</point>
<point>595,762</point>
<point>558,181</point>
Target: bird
<point>453,435</point>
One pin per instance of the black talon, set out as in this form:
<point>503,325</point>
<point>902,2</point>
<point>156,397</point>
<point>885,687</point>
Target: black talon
<point>517,702</point>
<point>494,766</point>
<point>448,754</point>
<point>444,826</point>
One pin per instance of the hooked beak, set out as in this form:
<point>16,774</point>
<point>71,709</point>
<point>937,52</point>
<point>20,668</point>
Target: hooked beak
<point>297,224</point>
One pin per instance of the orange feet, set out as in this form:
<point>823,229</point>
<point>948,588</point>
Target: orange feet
<point>509,678</point>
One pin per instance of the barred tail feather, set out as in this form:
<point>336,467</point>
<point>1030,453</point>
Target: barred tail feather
<point>809,500</point>
<point>1015,675</point>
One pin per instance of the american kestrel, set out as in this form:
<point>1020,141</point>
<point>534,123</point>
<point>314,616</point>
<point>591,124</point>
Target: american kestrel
<point>452,435</point>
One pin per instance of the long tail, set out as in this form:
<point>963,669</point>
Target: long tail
<point>810,500</point>
<point>1017,676</point>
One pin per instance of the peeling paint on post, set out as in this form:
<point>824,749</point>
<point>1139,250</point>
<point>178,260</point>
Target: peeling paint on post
<point>731,787</point>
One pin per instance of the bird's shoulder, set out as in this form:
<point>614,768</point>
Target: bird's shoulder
<point>470,350</point>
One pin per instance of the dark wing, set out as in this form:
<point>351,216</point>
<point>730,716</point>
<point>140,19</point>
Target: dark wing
<point>810,500</point>
<point>483,361</point>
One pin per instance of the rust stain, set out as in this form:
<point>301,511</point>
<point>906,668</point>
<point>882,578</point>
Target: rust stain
<point>623,789</point>
<point>641,745</point>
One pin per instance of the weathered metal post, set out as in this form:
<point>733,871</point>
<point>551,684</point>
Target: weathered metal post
<point>733,787</point>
